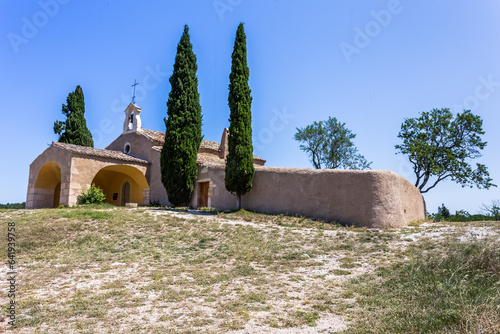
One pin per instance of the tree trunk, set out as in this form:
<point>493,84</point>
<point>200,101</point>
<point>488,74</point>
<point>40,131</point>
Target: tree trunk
<point>238,201</point>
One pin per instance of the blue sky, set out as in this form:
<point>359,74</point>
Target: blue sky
<point>371,64</point>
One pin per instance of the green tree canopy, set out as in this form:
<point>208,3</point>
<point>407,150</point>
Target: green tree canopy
<point>443,211</point>
<point>440,146</point>
<point>183,127</point>
<point>74,129</point>
<point>329,145</point>
<point>239,162</point>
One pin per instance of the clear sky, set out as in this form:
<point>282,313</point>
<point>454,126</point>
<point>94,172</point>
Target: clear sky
<point>371,64</point>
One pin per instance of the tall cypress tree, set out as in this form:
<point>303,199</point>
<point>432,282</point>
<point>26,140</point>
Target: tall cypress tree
<point>239,163</point>
<point>74,130</point>
<point>183,127</point>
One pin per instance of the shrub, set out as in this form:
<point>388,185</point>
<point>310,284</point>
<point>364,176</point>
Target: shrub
<point>479,217</point>
<point>460,216</point>
<point>436,217</point>
<point>91,196</point>
<point>13,205</point>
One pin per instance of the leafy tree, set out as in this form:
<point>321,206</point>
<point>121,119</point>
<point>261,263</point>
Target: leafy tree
<point>493,209</point>
<point>440,147</point>
<point>239,162</point>
<point>329,145</point>
<point>460,216</point>
<point>443,211</point>
<point>74,129</point>
<point>183,127</point>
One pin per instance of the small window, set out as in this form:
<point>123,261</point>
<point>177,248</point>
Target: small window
<point>127,148</point>
<point>115,196</point>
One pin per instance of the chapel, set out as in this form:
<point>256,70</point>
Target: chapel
<point>128,172</point>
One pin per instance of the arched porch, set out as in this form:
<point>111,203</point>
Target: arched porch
<point>47,188</point>
<point>122,184</point>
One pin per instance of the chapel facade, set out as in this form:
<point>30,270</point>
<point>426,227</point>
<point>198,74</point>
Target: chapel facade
<point>127,170</point>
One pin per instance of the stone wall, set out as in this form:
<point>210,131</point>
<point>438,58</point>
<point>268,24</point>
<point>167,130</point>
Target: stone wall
<point>40,198</point>
<point>380,199</point>
<point>140,146</point>
<point>157,191</point>
<point>218,196</point>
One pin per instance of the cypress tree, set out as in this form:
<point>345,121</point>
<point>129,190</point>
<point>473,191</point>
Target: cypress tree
<point>183,127</point>
<point>239,162</point>
<point>74,130</point>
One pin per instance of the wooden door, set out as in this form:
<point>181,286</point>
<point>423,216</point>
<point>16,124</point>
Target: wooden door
<point>203,200</point>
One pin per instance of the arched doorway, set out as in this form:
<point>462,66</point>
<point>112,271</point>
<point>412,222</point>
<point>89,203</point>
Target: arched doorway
<point>47,192</point>
<point>125,198</point>
<point>122,184</point>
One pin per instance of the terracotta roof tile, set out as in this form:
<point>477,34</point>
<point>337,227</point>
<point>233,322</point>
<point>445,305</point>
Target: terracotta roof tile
<point>258,158</point>
<point>210,161</point>
<point>154,135</point>
<point>159,138</point>
<point>210,145</point>
<point>205,160</point>
<point>97,152</point>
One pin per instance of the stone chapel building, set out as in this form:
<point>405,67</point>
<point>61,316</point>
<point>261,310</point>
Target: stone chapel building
<point>128,171</point>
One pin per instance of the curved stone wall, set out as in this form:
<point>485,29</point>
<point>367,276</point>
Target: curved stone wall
<point>373,198</point>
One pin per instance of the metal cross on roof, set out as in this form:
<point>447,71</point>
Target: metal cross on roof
<point>135,84</point>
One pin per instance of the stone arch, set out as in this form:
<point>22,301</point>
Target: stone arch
<point>112,180</point>
<point>47,188</point>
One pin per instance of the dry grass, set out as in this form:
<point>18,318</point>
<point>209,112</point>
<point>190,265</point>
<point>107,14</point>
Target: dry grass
<point>102,270</point>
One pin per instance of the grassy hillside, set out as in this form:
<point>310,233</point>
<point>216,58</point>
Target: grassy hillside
<point>150,270</point>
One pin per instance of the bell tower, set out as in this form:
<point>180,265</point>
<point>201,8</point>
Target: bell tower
<point>132,121</point>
